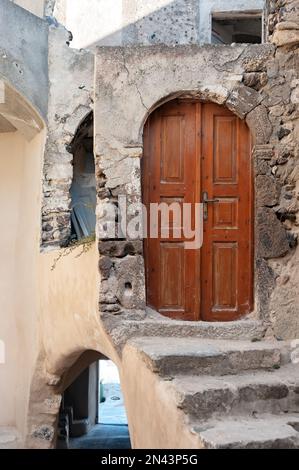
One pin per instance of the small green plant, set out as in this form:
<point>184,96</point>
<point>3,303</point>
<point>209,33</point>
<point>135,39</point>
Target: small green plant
<point>86,243</point>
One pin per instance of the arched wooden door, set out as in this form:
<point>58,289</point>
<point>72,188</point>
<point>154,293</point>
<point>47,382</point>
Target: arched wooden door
<point>192,152</point>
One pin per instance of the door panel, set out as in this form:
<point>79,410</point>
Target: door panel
<point>226,177</point>
<point>190,148</point>
<point>172,261</point>
<point>169,165</point>
<point>225,213</point>
<point>172,149</point>
<point>224,152</point>
<point>224,275</point>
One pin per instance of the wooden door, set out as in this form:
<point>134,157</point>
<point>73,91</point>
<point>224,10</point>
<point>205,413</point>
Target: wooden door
<point>191,149</point>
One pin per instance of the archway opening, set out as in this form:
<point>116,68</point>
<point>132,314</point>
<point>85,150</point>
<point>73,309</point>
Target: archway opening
<point>83,189</point>
<point>92,413</point>
<point>197,172</point>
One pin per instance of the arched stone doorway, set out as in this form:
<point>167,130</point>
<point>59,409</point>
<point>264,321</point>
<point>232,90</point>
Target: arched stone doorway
<point>197,174</point>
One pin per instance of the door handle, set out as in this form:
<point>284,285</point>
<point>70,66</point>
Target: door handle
<point>205,202</point>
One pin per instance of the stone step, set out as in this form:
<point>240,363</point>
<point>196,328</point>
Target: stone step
<point>173,356</point>
<point>260,432</point>
<point>204,397</point>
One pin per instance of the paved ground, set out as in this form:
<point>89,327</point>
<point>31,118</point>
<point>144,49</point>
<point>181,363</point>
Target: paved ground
<point>103,436</point>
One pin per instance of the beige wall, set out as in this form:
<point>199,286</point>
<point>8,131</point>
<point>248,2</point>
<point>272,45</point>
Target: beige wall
<point>20,171</point>
<point>69,325</point>
<point>34,6</point>
<point>11,147</point>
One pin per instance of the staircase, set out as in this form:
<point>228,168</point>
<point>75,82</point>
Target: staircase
<point>233,394</point>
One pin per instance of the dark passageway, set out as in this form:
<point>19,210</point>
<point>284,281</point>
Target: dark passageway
<point>92,413</point>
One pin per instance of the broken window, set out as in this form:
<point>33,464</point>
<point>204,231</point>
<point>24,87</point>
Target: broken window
<point>237,28</point>
<point>83,189</point>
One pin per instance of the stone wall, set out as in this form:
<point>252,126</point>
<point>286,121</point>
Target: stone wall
<point>160,22</point>
<point>58,81</point>
<point>96,22</point>
<point>283,105</point>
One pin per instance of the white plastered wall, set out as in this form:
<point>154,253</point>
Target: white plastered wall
<point>208,7</point>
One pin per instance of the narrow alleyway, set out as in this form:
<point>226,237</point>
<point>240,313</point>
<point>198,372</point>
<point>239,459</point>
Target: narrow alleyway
<point>111,431</point>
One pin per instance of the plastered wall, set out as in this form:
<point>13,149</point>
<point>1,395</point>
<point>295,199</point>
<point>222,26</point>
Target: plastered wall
<point>20,164</point>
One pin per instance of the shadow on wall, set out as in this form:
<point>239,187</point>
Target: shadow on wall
<point>167,22</point>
